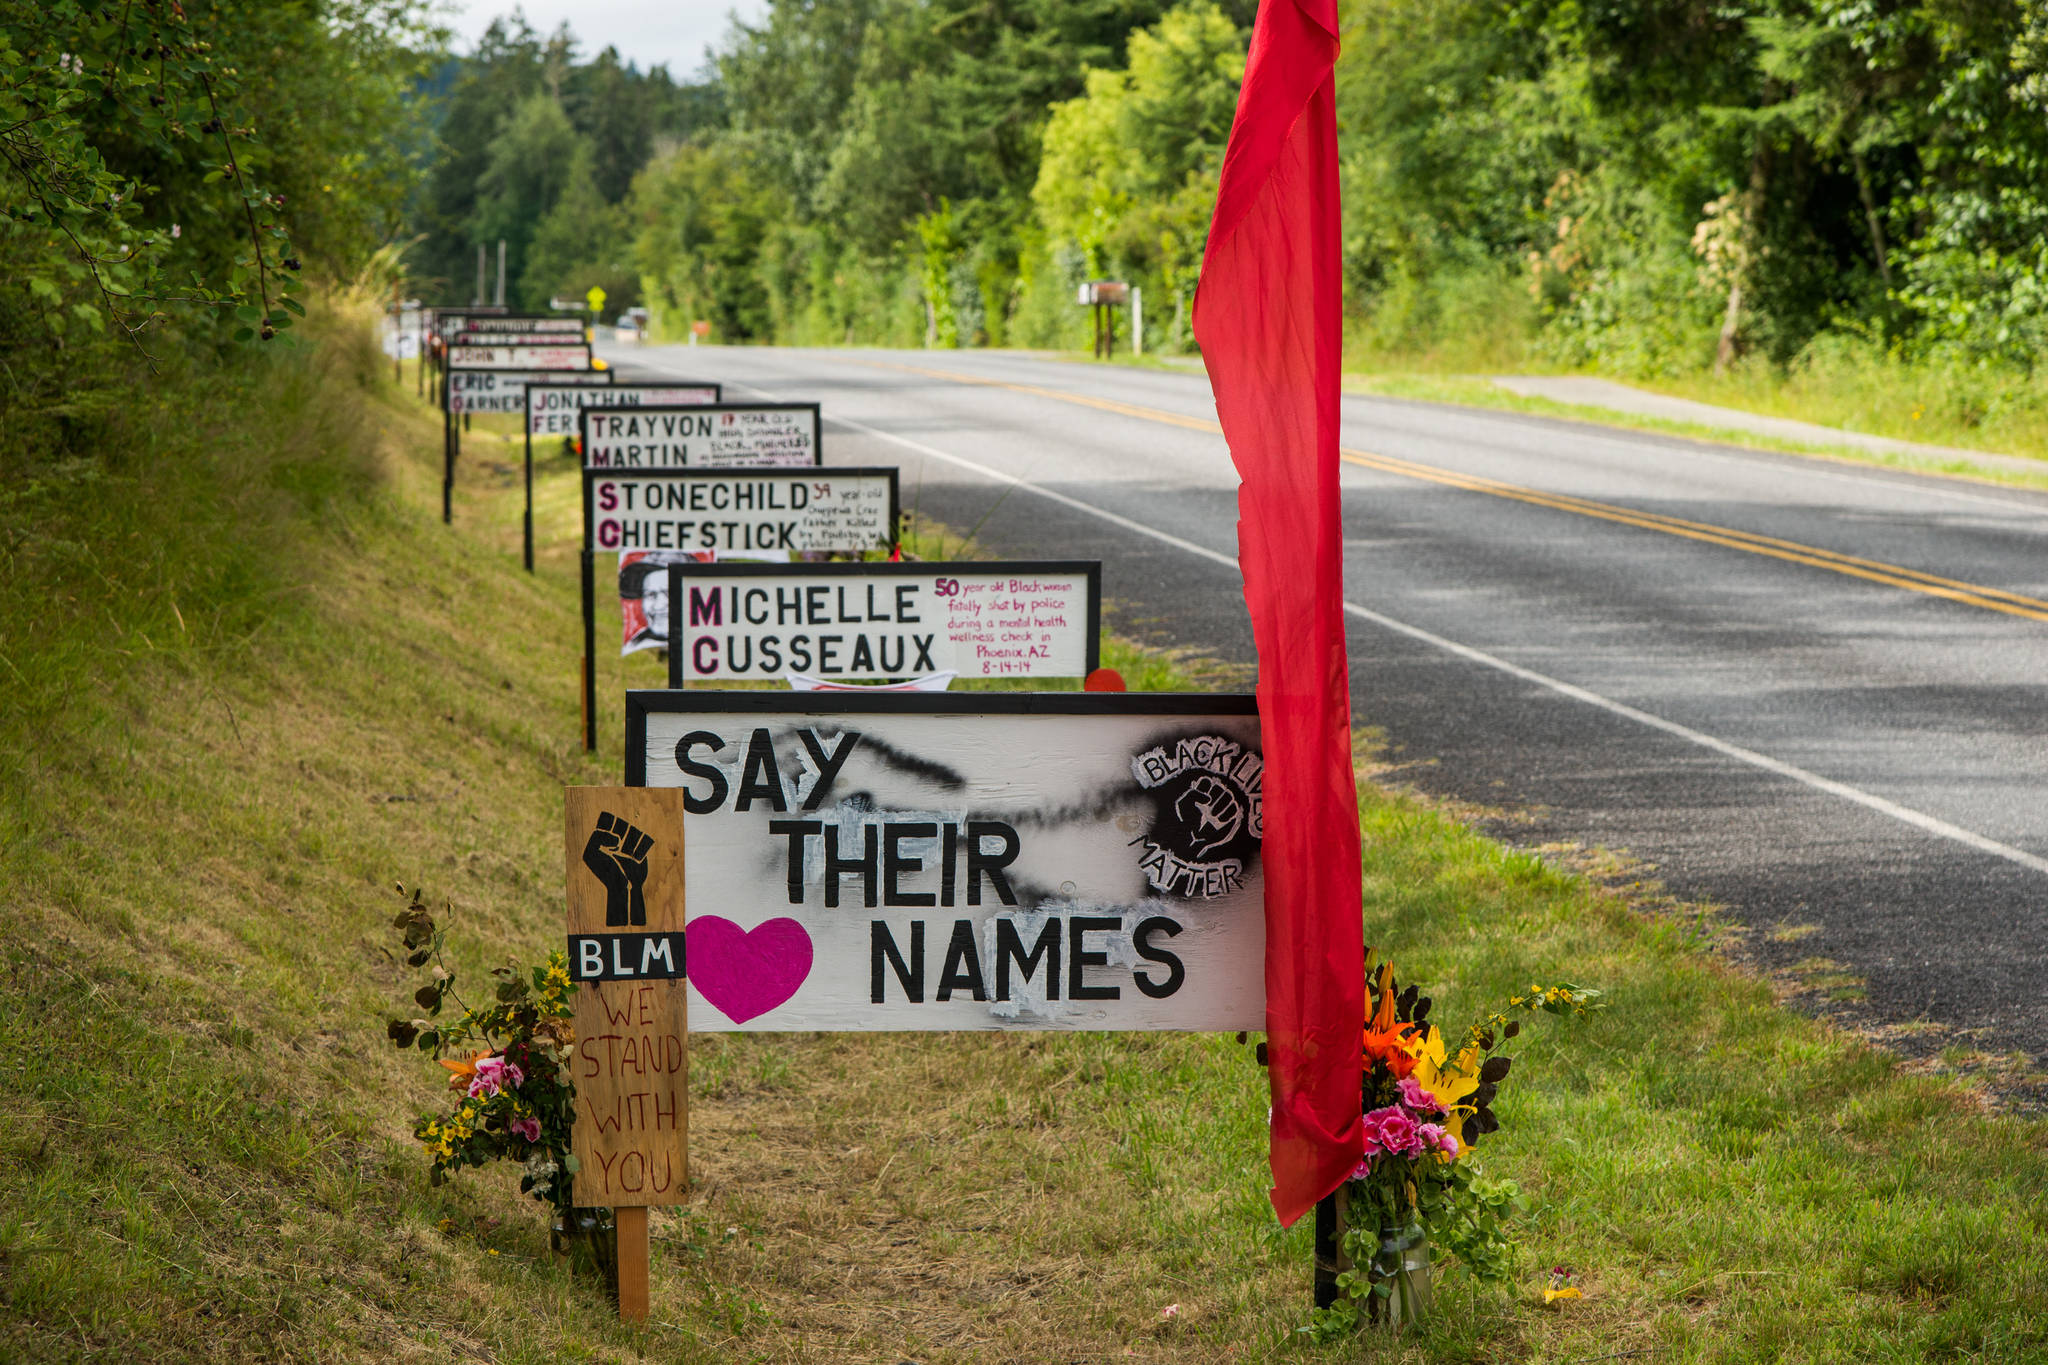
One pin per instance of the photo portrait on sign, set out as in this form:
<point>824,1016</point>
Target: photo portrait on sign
<point>643,593</point>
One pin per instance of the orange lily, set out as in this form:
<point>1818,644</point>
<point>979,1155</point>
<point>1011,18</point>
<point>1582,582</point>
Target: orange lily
<point>1386,1040</point>
<point>464,1071</point>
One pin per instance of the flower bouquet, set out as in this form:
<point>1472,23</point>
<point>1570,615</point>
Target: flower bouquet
<point>510,1094</point>
<point>1425,1108</point>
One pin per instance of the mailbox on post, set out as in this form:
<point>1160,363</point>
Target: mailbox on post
<point>1103,297</point>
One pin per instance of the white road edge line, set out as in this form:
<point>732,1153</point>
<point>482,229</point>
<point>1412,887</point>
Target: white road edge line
<point>1869,800</point>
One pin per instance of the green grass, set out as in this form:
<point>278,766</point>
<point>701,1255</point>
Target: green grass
<point>204,1138</point>
<point>1483,393</point>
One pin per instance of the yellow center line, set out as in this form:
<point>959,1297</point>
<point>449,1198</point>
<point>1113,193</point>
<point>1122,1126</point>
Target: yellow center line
<point>1790,551</point>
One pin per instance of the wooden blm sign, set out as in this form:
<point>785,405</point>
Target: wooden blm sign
<point>624,849</point>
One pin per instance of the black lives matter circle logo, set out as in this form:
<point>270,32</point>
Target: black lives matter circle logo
<point>1208,815</point>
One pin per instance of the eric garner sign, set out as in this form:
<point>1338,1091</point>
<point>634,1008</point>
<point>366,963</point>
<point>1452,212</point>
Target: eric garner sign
<point>861,622</point>
<point>505,390</point>
<point>740,510</point>
<point>965,860</point>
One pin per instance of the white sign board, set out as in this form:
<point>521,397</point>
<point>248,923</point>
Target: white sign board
<point>525,322</point>
<point>505,390</point>
<point>866,622</point>
<point>566,357</point>
<point>740,511</point>
<point>754,436</point>
<point>552,412</point>
<point>965,860</point>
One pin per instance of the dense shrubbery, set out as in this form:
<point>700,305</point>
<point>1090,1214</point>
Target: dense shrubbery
<point>1646,188</point>
<point>169,173</point>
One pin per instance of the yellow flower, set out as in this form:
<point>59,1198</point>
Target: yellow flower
<point>1451,1082</point>
<point>1568,1292</point>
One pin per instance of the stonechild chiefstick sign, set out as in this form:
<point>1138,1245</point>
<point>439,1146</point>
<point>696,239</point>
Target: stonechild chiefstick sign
<point>626,946</point>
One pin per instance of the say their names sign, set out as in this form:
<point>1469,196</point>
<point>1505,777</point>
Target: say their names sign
<point>755,435</point>
<point>736,511</point>
<point>551,409</point>
<point>626,954</point>
<point>863,622</point>
<point>505,390</point>
<point>467,355</point>
<point>964,860</point>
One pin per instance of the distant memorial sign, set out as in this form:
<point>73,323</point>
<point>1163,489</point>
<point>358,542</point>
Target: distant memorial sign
<point>739,511</point>
<point>465,355</point>
<point>756,435</point>
<point>505,390</point>
<point>551,410</point>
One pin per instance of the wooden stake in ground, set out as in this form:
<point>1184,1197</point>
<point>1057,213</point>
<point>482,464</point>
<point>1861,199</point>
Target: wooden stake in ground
<point>624,848</point>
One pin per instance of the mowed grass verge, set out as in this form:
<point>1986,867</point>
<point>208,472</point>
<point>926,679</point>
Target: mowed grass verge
<point>204,1138</point>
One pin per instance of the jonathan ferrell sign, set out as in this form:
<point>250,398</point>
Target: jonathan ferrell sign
<point>863,622</point>
<point>551,407</point>
<point>625,859</point>
<point>965,860</point>
<point>466,356</point>
<point>505,390</point>
<point>754,436</point>
<point>738,511</point>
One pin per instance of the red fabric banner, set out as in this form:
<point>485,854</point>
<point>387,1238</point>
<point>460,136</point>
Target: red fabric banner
<point>1268,315</point>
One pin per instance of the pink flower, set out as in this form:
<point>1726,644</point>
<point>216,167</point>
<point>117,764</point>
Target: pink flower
<point>1392,1131</point>
<point>1417,1098</point>
<point>494,1074</point>
<point>528,1128</point>
<point>1435,1135</point>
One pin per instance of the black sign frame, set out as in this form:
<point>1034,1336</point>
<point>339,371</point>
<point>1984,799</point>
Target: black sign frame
<point>1089,569</point>
<point>642,703</point>
<point>816,411</point>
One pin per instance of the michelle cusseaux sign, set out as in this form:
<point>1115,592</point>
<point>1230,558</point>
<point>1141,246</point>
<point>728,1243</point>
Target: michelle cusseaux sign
<point>964,860</point>
<point>756,436</point>
<point>464,355</point>
<point>855,622</point>
<point>505,390</point>
<point>551,411</point>
<point>736,511</point>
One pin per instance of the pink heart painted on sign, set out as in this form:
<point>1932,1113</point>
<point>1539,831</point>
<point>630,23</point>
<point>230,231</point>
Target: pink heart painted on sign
<point>746,972</point>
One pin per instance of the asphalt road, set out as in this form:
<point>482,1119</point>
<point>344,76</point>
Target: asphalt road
<point>1813,693</point>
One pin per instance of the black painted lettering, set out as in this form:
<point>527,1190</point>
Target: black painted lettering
<point>882,945</point>
<point>895,863</point>
<point>1010,948</point>
<point>760,777</point>
<point>962,970</point>
<point>981,863</point>
<point>1079,959</point>
<point>694,804</point>
<point>836,866</point>
<point>829,763</point>
<point>1175,972</point>
<point>797,832</point>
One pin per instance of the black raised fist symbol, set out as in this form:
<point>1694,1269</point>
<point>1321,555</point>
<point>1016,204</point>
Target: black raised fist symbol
<point>617,854</point>
<point>1211,813</point>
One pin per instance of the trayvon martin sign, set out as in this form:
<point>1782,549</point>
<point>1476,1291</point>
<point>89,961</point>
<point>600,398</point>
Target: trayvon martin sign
<point>964,860</point>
